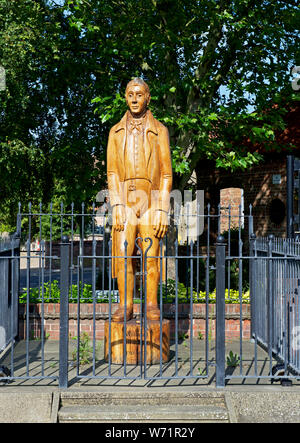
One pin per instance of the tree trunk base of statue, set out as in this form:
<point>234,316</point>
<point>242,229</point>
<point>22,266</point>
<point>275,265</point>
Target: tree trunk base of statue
<point>134,340</point>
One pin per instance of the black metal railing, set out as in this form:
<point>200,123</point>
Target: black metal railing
<point>9,277</point>
<point>276,284</point>
<point>62,257</point>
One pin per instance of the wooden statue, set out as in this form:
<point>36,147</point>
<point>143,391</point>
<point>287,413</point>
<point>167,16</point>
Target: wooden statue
<point>139,181</point>
<point>139,174</point>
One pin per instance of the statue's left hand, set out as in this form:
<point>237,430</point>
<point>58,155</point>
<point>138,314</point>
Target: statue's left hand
<point>160,223</point>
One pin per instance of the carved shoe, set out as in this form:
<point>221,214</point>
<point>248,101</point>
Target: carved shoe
<point>119,315</point>
<point>153,313</point>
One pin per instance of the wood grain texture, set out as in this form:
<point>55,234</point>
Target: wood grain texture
<point>133,342</point>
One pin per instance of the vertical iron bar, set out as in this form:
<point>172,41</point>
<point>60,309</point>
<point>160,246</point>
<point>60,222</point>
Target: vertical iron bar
<point>252,264</point>
<point>191,307</point>
<point>103,259</point>
<point>220,311</point>
<point>166,259</point>
<point>82,249</point>
<point>270,299</point>
<point>72,249</point>
<point>94,303</point>
<point>187,249</point>
<point>28,289</point>
<point>253,294</point>
<point>39,252</point>
<point>125,309</point>
<point>141,308</point>
<point>207,290</point>
<point>161,307</point>
<point>78,318</point>
<point>147,239</point>
<point>229,251</point>
<point>12,312</point>
<point>290,196</point>
<point>291,295</point>
<point>61,220</point>
<point>19,220</point>
<point>176,304</point>
<point>109,307</point>
<point>250,222</point>
<point>19,235</point>
<point>50,251</point>
<point>64,313</point>
<point>241,290</point>
<point>197,251</point>
<point>284,297</point>
<point>42,254</point>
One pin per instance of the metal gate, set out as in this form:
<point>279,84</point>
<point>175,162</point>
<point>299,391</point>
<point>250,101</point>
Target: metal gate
<point>189,348</point>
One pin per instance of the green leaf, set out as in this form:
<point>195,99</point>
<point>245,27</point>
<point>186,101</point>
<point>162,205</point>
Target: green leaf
<point>105,118</point>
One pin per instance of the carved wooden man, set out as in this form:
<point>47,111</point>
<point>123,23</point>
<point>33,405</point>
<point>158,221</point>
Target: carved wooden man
<point>139,180</point>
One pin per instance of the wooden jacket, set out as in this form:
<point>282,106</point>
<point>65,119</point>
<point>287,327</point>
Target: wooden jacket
<point>157,156</point>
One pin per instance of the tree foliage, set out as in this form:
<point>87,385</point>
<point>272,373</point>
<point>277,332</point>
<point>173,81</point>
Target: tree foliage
<point>208,64</point>
<point>213,67</point>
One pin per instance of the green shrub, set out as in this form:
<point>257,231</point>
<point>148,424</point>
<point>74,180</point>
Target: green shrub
<point>184,295</point>
<point>51,294</point>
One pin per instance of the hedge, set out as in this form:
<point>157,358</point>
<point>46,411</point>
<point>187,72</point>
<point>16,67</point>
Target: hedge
<point>51,294</point>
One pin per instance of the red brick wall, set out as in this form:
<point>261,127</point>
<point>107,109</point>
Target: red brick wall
<point>51,319</point>
<point>258,187</point>
<point>230,197</point>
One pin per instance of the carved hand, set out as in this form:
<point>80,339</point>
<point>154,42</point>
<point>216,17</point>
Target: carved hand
<point>119,217</point>
<point>160,223</point>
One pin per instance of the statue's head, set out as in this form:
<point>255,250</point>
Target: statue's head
<point>137,96</point>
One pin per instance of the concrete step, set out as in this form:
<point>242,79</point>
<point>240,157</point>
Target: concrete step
<point>70,398</point>
<point>127,414</point>
<point>141,407</point>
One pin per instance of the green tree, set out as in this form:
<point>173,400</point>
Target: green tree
<point>67,63</point>
<point>207,62</point>
<point>46,108</point>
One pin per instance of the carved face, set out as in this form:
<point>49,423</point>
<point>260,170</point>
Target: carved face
<point>137,99</point>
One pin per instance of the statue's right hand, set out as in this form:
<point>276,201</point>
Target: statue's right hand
<point>119,217</point>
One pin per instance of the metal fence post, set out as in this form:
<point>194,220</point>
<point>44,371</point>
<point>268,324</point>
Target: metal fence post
<point>252,284</point>
<point>220,311</point>
<point>64,312</point>
<point>270,314</point>
<point>290,196</point>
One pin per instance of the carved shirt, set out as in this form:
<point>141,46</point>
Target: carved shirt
<point>135,159</point>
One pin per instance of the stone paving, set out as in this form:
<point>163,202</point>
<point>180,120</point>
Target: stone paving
<point>43,361</point>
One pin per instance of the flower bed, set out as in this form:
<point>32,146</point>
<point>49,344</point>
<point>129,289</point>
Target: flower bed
<point>51,294</point>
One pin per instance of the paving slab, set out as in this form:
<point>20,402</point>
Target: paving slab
<point>25,407</point>
<point>242,400</point>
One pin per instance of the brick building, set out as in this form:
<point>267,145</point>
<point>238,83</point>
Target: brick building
<point>263,186</point>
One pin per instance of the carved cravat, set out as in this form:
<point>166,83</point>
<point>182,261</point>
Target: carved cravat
<point>135,161</point>
<point>136,124</point>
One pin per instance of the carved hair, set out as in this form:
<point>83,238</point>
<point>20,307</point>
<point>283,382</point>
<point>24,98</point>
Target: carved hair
<point>140,82</point>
